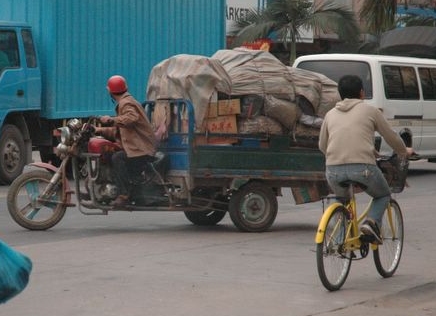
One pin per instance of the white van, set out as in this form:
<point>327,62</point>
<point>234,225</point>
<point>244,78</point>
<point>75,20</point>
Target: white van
<point>404,88</point>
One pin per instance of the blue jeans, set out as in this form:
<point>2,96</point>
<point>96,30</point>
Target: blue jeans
<point>372,179</point>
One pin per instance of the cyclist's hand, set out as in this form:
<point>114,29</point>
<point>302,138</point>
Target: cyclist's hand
<point>411,154</point>
<point>410,151</point>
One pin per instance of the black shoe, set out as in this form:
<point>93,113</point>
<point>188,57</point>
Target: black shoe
<point>370,228</point>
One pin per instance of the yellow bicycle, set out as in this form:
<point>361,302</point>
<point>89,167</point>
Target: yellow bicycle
<point>339,241</point>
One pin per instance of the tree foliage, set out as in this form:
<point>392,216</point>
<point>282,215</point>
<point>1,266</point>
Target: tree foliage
<point>379,15</point>
<point>288,18</point>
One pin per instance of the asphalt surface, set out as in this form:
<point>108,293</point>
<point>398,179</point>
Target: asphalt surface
<point>158,264</point>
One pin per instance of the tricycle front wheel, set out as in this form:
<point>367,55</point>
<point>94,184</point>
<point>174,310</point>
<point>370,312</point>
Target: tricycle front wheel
<point>26,205</point>
<point>253,208</point>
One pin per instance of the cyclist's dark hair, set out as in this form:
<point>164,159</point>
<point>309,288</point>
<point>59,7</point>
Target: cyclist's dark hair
<point>349,87</point>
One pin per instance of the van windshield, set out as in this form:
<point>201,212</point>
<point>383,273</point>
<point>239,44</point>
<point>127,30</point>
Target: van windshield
<point>335,69</point>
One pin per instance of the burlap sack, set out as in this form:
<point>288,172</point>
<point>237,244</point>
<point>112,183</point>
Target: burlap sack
<point>282,110</point>
<point>259,124</point>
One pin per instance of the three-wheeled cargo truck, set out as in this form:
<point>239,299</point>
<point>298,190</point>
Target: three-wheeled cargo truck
<point>242,175</point>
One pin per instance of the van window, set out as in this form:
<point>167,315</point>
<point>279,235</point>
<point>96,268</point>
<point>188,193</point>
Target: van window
<point>29,49</point>
<point>9,56</point>
<point>428,82</point>
<point>335,69</point>
<point>400,82</point>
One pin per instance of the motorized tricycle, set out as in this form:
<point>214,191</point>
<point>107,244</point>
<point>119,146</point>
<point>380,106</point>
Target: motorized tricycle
<point>188,174</point>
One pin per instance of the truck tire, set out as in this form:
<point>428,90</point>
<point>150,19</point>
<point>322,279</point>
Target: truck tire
<point>12,153</point>
<point>253,208</point>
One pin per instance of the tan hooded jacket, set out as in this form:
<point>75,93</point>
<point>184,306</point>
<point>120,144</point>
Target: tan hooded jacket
<point>348,133</point>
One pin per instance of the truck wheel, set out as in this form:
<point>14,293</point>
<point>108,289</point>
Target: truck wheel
<point>12,153</point>
<point>253,208</point>
<point>208,217</point>
<point>24,203</point>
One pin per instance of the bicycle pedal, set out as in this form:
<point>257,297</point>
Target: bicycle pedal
<point>367,239</point>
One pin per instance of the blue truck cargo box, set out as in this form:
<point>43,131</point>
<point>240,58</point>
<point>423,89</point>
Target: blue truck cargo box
<point>83,42</point>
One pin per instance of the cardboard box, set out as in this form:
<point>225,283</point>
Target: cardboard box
<point>225,124</point>
<point>212,110</point>
<point>229,106</point>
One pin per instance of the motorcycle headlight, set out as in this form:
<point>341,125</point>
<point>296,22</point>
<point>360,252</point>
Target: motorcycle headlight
<point>66,136</point>
<point>61,149</point>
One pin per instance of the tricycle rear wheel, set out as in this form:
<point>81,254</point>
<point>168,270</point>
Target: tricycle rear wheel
<point>205,218</point>
<point>253,208</point>
<point>208,216</point>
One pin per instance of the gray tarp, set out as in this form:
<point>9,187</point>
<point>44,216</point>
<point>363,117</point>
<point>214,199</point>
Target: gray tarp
<point>190,77</point>
<point>256,72</point>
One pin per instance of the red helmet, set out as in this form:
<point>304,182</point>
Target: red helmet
<point>117,84</point>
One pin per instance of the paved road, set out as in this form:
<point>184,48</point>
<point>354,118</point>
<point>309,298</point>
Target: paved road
<point>158,264</point>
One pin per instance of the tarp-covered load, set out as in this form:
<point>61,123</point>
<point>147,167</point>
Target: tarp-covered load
<point>272,98</point>
<point>257,72</point>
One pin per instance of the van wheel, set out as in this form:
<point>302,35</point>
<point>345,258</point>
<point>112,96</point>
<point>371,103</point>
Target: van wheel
<point>12,153</point>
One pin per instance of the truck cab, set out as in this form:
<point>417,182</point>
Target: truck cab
<point>20,92</point>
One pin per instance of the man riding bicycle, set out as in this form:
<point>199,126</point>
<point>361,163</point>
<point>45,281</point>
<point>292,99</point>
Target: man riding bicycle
<point>347,141</point>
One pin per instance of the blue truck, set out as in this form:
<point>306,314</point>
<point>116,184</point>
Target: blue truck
<point>56,56</point>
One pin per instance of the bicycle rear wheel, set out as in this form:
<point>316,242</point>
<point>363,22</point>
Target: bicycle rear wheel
<point>387,256</point>
<point>332,261</point>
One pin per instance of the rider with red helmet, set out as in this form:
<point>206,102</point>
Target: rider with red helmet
<point>132,129</point>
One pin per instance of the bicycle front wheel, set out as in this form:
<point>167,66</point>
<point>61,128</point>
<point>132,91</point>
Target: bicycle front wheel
<point>387,256</point>
<point>333,261</point>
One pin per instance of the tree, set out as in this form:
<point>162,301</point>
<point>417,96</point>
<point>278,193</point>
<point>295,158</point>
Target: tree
<point>379,16</point>
<point>287,18</point>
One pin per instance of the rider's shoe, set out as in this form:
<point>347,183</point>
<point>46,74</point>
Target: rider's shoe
<point>121,200</point>
<point>370,228</point>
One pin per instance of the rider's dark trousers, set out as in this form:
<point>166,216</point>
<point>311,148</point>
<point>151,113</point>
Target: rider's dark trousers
<point>128,171</point>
